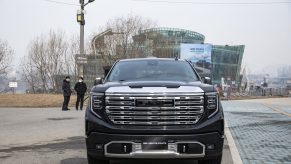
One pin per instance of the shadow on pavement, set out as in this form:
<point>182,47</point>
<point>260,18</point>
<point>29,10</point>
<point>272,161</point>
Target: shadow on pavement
<point>71,143</point>
<point>84,161</point>
<point>74,161</point>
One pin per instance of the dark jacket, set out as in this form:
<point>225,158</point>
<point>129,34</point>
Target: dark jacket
<point>81,88</point>
<point>66,88</point>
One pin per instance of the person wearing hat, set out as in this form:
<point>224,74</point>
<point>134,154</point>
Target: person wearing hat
<point>66,92</point>
<point>81,89</point>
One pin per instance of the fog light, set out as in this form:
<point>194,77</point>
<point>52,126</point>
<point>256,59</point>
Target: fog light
<point>210,147</point>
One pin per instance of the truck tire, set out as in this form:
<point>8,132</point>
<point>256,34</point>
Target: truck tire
<point>211,161</point>
<point>92,160</point>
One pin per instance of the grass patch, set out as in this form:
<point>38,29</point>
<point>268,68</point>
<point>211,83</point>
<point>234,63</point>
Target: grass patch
<point>56,100</point>
<point>35,100</point>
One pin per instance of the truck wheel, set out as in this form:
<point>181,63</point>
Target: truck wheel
<point>211,161</point>
<point>92,160</point>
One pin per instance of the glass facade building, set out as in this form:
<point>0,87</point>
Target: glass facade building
<point>226,63</point>
<point>165,42</point>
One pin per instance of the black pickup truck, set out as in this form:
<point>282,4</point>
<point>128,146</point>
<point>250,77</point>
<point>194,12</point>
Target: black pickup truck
<point>153,108</point>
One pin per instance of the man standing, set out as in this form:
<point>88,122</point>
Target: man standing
<point>66,92</point>
<point>81,89</point>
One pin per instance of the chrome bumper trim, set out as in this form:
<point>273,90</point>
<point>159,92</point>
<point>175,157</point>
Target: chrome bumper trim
<point>137,151</point>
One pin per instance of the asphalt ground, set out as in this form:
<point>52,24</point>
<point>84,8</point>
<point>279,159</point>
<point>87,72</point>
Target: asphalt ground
<point>52,136</point>
<point>259,131</point>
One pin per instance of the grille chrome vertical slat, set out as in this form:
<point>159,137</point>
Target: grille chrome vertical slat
<point>155,109</point>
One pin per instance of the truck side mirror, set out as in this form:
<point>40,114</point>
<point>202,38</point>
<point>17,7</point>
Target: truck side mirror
<point>98,81</point>
<point>206,80</point>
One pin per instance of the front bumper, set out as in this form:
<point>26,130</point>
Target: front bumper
<point>98,146</point>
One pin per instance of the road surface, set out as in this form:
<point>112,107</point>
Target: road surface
<point>50,136</point>
<point>259,132</point>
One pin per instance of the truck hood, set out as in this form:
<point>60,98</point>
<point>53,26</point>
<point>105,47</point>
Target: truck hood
<point>141,84</point>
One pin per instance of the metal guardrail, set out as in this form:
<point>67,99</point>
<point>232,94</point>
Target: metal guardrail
<point>260,92</point>
<point>269,92</point>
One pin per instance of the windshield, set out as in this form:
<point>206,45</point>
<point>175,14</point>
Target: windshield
<point>153,70</point>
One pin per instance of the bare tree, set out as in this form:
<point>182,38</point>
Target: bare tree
<point>30,75</point>
<point>128,27</point>
<point>56,51</point>
<point>6,54</point>
<point>70,57</point>
<point>39,59</point>
<point>70,65</point>
<point>119,43</point>
<point>48,59</point>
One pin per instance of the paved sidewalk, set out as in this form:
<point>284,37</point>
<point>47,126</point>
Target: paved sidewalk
<point>261,134</point>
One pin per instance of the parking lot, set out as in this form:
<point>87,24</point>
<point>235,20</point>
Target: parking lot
<point>260,130</point>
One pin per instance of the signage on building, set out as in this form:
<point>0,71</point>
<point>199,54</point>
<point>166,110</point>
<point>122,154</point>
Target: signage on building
<point>81,60</point>
<point>199,55</point>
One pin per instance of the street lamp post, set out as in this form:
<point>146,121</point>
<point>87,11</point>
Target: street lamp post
<point>81,20</point>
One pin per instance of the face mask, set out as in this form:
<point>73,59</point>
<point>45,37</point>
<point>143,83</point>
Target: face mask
<point>80,80</point>
<point>68,80</point>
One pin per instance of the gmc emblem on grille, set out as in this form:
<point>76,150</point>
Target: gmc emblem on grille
<point>154,103</point>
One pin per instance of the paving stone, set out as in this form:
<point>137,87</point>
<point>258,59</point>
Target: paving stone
<point>261,134</point>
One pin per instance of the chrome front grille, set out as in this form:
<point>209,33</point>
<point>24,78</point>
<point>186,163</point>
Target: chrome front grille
<point>155,109</point>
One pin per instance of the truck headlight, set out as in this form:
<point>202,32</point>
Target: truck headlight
<point>97,102</point>
<point>211,103</point>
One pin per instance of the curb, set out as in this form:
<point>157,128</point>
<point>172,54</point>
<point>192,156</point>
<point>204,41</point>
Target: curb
<point>232,147</point>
